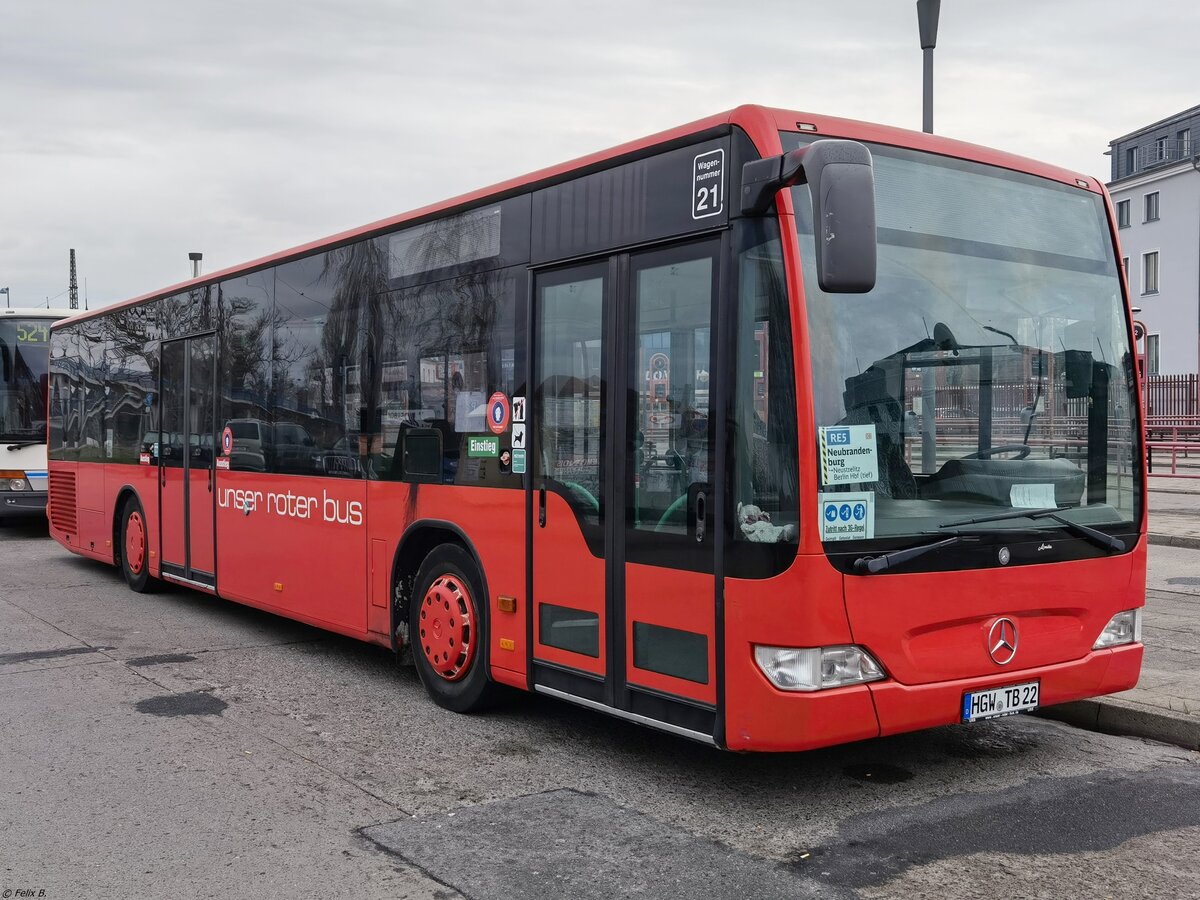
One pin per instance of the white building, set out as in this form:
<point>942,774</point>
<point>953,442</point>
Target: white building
<point>1156,190</point>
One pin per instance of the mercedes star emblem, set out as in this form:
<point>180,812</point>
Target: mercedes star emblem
<point>1002,641</point>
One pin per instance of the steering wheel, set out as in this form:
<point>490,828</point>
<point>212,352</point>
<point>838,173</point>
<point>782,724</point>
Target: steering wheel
<point>672,510</point>
<point>1022,451</point>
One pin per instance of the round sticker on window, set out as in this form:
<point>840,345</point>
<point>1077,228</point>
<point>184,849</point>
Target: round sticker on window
<point>227,441</point>
<point>498,413</point>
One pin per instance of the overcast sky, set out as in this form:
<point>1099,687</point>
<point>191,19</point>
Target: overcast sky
<point>136,131</point>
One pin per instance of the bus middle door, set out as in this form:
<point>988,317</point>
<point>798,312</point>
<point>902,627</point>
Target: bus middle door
<point>623,443</point>
<point>186,460</point>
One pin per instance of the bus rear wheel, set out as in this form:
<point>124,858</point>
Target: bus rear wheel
<point>135,548</point>
<point>448,630</point>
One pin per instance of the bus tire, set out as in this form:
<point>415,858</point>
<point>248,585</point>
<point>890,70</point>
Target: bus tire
<point>448,630</point>
<point>135,548</point>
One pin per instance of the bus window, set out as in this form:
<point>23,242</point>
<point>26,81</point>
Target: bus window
<point>765,480</point>
<point>673,439</point>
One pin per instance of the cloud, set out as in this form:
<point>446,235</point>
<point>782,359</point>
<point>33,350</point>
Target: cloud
<point>136,132</point>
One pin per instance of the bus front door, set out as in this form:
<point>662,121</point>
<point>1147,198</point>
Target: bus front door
<point>623,440</point>
<point>186,461</point>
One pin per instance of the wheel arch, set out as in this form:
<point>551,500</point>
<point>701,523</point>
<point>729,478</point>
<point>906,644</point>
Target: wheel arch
<point>419,540</point>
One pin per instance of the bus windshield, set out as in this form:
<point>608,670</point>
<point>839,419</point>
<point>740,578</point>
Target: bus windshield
<point>989,370</point>
<point>23,363</point>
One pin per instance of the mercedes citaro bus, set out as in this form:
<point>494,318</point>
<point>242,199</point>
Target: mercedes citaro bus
<point>773,431</point>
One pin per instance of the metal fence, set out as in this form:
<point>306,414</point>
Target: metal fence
<point>1172,404</point>
<point>1168,396</point>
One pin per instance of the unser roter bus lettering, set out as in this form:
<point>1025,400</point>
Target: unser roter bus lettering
<point>292,506</point>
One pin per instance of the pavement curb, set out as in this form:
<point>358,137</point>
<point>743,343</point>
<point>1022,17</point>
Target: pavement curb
<point>1174,540</point>
<point>1107,717</point>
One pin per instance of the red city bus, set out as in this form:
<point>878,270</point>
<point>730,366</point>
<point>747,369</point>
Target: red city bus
<point>625,432</point>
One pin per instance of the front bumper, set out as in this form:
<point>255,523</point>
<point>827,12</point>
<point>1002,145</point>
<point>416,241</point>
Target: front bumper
<point>761,717</point>
<point>23,504</point>
<point>902,707</point>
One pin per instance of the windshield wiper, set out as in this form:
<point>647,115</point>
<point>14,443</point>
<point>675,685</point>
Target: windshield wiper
<point>1099,538</point>
<point>873,565</point>
<point>19,444</point>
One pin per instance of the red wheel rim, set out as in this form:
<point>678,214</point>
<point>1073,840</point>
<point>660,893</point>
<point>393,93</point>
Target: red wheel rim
<point>448,627</point>
<point>135,542</point>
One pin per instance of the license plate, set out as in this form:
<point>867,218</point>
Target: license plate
<point>1002,701</point>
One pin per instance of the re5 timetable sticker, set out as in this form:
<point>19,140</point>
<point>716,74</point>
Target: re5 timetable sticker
<point>848,454</point>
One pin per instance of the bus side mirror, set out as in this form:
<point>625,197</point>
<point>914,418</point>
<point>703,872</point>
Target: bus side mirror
<point>841,181</point>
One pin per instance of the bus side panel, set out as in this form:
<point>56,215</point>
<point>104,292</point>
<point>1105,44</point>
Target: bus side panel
<point>144,481</point>
<point>801,608</point>
<point>94,528</point>
<point>294,545</point>
<point>493,521</point>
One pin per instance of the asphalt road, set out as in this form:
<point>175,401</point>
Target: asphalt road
<point>175,745</point>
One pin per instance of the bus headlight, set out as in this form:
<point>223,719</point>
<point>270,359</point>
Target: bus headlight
<point>816,668</point>
<point>1123,628</point>
<point>13,481</point>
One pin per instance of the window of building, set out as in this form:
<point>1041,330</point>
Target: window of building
<point>1184,142</point>
<point>1122,213</point>
<point>1150,272</point>
<point>1151,207</point>
<point>1160,148</point>
<point>1130,160</point>
<point>1152,354</point>
<point>1125,265</point>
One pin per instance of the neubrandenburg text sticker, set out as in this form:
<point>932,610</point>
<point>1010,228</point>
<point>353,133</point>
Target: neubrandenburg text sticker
<point>848,454</point>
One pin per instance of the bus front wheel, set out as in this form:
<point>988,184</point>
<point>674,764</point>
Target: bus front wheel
<point>448,630</point>
<point>135,548</point>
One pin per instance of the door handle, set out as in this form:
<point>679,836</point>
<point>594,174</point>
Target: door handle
<point>701,515</point>
<point>542,506</point>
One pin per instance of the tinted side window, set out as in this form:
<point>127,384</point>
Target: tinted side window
<point>132,382</point>
<point>245,308</point>
<point>64,367</point>
<point>94,358</point>
<point>316,384</point>
<point>484,239</point>
<point>186,313</point>
<point>445,349</point>
<point>764,480</point>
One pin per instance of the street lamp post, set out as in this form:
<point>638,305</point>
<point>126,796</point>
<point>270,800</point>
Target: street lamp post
<point>927,23</point>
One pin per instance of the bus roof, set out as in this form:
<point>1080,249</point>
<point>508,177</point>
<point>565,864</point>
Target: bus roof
<point>762,124</point>
<point>30,312</point>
